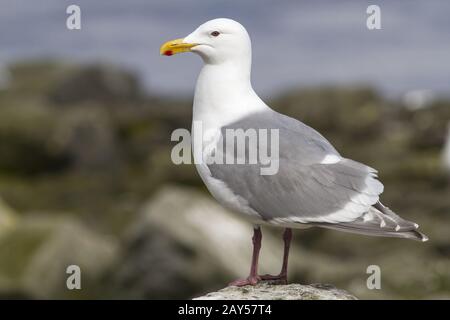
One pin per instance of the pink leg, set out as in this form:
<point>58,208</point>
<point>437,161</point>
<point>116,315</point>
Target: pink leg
<point>282,277</point>
<point>253,278</point>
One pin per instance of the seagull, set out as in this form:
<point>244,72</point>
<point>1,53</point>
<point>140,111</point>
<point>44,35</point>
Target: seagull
<point>315,186</point>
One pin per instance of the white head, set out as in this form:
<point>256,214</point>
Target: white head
<point>216,41</point>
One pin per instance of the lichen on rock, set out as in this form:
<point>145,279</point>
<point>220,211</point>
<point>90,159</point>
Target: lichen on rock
<point>267,291</point>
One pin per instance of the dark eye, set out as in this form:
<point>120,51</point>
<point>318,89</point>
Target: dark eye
<point>215,33</point>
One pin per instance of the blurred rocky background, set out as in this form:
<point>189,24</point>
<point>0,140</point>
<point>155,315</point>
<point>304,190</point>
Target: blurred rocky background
<point>86,178</point>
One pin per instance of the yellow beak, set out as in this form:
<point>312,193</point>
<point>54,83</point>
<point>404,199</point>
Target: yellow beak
<point>175,46</point>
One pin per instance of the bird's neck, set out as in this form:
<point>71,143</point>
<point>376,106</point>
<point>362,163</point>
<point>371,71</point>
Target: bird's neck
<point>224,94</point>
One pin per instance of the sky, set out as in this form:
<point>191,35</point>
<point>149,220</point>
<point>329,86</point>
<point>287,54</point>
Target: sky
<point>295,43</point>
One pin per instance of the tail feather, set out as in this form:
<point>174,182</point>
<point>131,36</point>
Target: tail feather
<point>402,223</point>
<point>380,221</point>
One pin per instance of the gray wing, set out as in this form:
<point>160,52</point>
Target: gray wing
<point>304,189</point>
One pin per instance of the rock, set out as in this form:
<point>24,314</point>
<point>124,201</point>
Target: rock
<point>418,99</point>
<point>65,83</point>
<point>8,217</point>
<point>101,83</point>
<point>87,136</point>
<point>36,253</point>
<point>265,291</point>
<point>26,133</point>
<point>35,78</point>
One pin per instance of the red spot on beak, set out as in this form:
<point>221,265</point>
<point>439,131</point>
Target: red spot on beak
<point>168,53</point>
